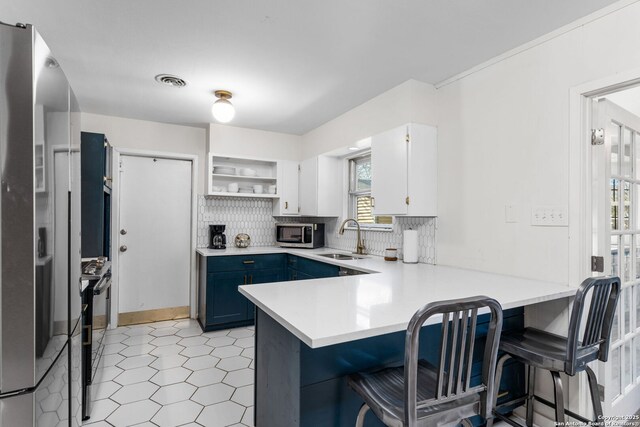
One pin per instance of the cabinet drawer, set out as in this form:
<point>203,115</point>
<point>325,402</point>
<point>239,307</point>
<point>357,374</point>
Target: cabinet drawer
<point>311,268</point>
<point>245,262</point>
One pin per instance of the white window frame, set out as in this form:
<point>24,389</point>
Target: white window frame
<point>351,197</point>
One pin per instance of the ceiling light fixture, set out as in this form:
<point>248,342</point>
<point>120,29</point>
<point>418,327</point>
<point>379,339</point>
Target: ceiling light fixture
<point>222,109</point>
<point>353,148</point>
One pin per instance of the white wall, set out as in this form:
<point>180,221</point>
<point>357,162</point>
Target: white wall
<point>146,135</point>
<point>235,141</point>
<point>503,138</point>
<point>411,101</point>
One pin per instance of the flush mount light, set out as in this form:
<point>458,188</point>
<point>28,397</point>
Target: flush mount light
<point>222,109</point>
<point>353,148</point>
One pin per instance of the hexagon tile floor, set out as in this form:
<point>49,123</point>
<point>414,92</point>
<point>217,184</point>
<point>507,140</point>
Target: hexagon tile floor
<point>171,374</point>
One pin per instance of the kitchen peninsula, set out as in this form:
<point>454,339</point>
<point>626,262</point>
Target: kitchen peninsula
<point>311,334</point>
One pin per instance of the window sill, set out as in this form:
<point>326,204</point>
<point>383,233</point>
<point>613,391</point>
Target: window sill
<point>365,228</point>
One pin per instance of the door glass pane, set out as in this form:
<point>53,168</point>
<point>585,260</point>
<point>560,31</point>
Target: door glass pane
<point>626,310</point>
<point>615,259</point>
<point>615,372</point>
<point>627,364</point>
<point>614,194</point>
<point>636,345</point>
<point>626,152</point>
<point>625,249</point>
<point>615,328</point>
<point>615,144</point>
<point>636,147</point>
<point>637,257</point>
<point>637,304</point>
<point>626,205</point>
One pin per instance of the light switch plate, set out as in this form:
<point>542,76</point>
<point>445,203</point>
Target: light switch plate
<point>511,213</point>
<point>549,216</point>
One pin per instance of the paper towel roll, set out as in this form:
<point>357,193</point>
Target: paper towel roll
<point>410,246</point>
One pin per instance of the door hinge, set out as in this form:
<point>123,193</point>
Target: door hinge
<point>298,168</point>
<point>407,138</point>
<point>406,200</point>
<point>597,136</point>
<point>597,264</point>
<point>298,209</point>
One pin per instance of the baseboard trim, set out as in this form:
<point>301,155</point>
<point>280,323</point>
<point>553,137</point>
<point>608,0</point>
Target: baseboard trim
<point>156,315</point>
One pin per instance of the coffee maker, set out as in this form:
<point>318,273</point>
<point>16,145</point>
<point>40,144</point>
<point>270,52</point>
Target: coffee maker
<point>217,239</point>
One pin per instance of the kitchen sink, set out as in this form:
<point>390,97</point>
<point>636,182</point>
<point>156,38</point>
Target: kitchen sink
<point>343,256</point>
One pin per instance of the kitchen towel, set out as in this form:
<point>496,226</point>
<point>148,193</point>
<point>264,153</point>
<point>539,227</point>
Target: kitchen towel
<point>410,246</point>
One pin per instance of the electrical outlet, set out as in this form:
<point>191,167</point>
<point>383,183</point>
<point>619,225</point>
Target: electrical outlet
<point>549,216</point>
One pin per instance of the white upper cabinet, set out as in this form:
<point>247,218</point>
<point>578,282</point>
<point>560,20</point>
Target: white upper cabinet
<point>321,186</point>
<point>404,164</point>
<point>287,204</point>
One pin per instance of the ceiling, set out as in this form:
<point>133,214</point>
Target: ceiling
<point>629,99</point>
<point>292,65</point>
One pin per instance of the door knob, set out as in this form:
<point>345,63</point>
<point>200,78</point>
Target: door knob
<point>123,248</point>
<point>123,231</point>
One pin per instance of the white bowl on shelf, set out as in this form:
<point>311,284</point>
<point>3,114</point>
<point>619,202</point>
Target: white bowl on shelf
<point>224,170</point>
<point>218,189</point>
<point>247,172</point>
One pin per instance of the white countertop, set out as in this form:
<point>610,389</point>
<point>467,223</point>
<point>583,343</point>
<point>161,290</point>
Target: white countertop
<point>322,312</point>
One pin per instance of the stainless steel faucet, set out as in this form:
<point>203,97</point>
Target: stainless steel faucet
<point>360,249</point>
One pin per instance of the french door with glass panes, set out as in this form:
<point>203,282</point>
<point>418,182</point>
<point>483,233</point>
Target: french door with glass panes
<point>616,237</point>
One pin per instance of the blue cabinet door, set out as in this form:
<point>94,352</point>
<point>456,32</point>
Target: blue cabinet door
<point>262,276</point>
<point>306,268</point>
<point>224,303</point>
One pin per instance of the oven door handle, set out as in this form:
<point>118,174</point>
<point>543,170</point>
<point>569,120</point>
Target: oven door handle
<point>102,285</point>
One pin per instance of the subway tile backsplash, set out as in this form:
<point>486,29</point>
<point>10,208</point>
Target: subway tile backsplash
<point>254,217</point>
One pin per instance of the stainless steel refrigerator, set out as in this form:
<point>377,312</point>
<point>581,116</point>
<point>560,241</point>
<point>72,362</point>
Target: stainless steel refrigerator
<point>40,295</point>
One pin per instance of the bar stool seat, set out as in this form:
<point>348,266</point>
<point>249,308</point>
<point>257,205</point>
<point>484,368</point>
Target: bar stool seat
<point>419,394</point>
<point>383,391</point>
<point>569,355</point>
<point>543,349</point>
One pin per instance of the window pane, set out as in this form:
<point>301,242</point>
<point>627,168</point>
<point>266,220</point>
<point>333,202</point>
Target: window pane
<point>615,259</point>
<point>626,313</point>
<point>615,191</point>
<point>615,371</point>
<point>363,174</point>
<point>636,345</point>
<point>637,304</point>
<point>626,205</point>
<point>627,364</point>
<point>625,248</point>
<point>626,153</point>
<point>615,144</point>
<point>636,147</point>
<point>364,212</point>
<point>615,328</point>
<point>637,243</point>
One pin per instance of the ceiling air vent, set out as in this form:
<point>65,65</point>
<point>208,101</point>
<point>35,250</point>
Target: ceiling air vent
<point>171,80</point>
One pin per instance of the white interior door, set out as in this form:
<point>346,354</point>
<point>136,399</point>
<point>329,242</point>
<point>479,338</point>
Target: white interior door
<point>616,237</point>
<point>154,247</point>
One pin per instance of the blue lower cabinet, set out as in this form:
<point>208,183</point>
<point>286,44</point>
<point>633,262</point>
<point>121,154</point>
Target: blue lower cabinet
<point>224,303</point>
<point>263,276</point>
<point>224,306</point>
<point>301,268</point>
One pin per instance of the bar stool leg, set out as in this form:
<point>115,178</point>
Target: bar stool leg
<point>558,396</point>
<point>361,414</point>
<point>530,391</point>
<point>595,394</point>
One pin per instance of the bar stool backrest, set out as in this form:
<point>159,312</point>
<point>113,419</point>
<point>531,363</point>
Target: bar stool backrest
<point>456,353</point>
<point>604,300</point>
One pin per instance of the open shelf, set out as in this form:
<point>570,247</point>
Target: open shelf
<point>243,177</point>
<point>245,195</point>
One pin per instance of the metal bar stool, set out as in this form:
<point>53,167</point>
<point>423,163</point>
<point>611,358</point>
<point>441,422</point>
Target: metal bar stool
<point>554,353</point>
<point>420,394</point>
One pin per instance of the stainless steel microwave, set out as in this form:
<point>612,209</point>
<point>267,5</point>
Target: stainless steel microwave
<point>289,235</point>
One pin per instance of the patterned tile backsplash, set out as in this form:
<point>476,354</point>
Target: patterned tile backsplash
<point>254,217</point>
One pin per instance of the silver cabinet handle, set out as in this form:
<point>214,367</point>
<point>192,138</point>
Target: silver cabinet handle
<point>123,248</point>
<point>123,231</point>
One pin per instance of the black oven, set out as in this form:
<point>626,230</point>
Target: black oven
<point>97,298</point>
